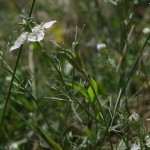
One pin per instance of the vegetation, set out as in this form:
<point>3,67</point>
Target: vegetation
<point>74,75</point>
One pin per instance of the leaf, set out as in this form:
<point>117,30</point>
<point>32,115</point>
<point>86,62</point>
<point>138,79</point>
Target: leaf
<point>101,89</point>
<point>90,90</point>
<point>91,94</point>
<point>80,89</point>
<point>79,64</point>
<point>27,104</point>
<point>73,61</point>
<point>94,84</point>
<point>49,139</point>
<point>88,132</point>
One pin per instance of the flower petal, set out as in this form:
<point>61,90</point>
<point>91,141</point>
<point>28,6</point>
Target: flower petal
<point>146,30</point>
<point>15,47</point>
<point>49,24</point>
<point>20,40</point>
<point>37,34</point>
<point>101,46</point>
<point>34,37</point>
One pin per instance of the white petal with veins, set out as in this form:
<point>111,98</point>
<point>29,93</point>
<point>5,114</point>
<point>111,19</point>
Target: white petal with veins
<point>49,24</point>
<point>37,34</point>
<point>20,40</point>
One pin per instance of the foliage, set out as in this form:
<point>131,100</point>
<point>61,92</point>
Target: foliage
<point>82,83</point>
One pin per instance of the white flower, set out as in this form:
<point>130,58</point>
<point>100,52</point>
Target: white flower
<point>146,30</point>
<point>134,117</point>
<point>36,35</point>
<point>38,31</point>
<point>101,46</point>
<point>135,120</point>
<point>135,147</point>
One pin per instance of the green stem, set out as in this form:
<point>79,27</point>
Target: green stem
<point>100,106</point>
<point>10,87</point>
<point>50,59</point>
<point>14,73</point>
<point>31,10</point>
<point>132,71</point>
<point>67,90</point>
<point>30,94</point>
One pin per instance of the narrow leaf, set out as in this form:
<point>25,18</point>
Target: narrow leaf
<point>88,132</point>
<point>90,90</point>
<point>49,139</point>
<point>79,88</point>
<point>94,84</point>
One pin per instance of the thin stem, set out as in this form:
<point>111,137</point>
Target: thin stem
<point>132,70</point>
<point>14,73</point>
<point>31,10</point>
<point>100,106</point>
<point>50,59</point>
<point>32,68</point>
<point>11,84</point>
<point>66,88</point>
<point>34,99</point>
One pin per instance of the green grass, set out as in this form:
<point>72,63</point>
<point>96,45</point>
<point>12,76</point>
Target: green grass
<point>65,93</point>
